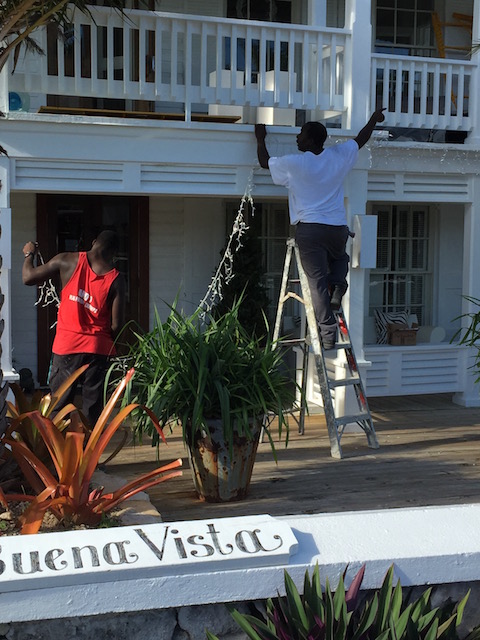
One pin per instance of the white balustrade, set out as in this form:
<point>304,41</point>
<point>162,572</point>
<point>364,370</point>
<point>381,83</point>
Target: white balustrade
<point>177,58</point>
<point>200,63</point>
<point>424,93</point>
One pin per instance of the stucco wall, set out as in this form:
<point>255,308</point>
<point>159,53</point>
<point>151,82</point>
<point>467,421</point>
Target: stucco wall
<point>190,623</point>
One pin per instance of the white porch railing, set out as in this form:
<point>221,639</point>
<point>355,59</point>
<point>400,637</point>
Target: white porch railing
<point>186,63</point>
<point>424,93</point>
<point>189,61</point>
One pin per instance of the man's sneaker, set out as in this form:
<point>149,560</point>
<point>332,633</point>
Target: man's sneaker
<point>336,299</point>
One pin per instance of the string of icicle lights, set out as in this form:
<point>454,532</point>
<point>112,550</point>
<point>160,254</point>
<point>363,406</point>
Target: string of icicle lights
<point>47,293</point>
<point>224,272</point>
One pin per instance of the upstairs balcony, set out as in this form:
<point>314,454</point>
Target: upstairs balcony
<point>177,66</point>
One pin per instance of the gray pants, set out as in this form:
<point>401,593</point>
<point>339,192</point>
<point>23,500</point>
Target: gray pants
<point>325,262</point>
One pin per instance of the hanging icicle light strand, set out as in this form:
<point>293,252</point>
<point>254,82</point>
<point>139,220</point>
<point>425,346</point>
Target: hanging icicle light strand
<point>224,272</point>
<point>47,293</point>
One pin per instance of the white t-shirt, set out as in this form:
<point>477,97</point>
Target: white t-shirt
<point>315,182</point>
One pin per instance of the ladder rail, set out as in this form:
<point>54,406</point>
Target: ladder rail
<point>335,424</point>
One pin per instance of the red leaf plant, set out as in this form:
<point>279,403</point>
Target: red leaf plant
<point>68,495</point>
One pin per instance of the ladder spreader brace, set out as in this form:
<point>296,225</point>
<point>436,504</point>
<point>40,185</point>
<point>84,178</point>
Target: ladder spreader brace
<point>335,424</point>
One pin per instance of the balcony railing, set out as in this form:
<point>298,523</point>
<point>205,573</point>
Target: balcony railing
<point>180,63</point>
<point>424,93</point>
<point>190,61</point>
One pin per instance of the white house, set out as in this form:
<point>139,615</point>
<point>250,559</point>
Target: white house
<point>145,122</point>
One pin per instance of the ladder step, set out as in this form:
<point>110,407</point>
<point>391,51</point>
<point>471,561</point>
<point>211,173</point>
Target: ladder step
<point>347,382</point>
<point>291,341</point>
<point>360,417</point>
<point>342,345</point>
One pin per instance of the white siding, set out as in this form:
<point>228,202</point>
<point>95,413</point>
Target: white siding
<point>167,267</point>
<point>24,311</point>
<point>186,238</point>
<point>398,371</point>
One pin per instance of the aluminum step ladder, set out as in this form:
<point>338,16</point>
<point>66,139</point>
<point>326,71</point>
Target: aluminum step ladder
<point>335,424</point>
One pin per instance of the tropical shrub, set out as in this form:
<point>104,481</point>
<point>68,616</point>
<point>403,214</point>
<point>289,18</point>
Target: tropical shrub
<point>192,369</point>
<point>471,333</point>
<point>343,615</point>
<point>67,491</point>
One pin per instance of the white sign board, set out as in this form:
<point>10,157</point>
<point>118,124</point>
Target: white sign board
<point>123,553</point>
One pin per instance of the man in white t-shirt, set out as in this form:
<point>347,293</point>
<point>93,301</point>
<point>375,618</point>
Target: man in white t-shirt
<point>314,180</point>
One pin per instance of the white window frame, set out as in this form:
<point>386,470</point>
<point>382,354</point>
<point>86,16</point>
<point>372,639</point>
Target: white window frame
<point>397,47</point>
<point>397,289</point>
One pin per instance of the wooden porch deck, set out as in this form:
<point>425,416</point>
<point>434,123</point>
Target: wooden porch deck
<point>429,455</point>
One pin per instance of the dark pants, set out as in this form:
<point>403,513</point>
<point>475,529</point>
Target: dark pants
<point>93,381</point>
<point>325,262</point>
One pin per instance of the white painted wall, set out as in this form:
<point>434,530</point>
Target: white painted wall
<point>186,238</point>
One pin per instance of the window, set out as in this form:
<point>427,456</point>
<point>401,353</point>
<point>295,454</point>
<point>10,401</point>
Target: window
<point>404,27</point>
<point>402,278</point>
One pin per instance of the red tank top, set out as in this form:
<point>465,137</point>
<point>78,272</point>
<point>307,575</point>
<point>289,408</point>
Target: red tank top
<point>84,316</point>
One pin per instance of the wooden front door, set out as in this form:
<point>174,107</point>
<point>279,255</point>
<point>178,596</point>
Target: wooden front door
<point>70,223</point>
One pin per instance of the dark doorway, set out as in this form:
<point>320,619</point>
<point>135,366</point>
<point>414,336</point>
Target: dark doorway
<point>70,223</point>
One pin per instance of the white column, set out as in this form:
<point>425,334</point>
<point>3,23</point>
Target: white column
<point>357,64</point>
<point>354,301</point>
<point>5,253</point>
<point>317,13</point>
<point>4,89</point>
<point>474,135</point>
<point>470,397</point>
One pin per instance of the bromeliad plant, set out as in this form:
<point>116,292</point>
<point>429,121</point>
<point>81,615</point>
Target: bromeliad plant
<point>318,615</point>
<point>23,427</point>
<point>67,492</point>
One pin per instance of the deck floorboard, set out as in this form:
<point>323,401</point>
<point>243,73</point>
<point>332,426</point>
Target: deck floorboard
<point>429,455</point>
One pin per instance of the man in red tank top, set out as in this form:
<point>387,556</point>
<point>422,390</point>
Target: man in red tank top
<point>91,313</point>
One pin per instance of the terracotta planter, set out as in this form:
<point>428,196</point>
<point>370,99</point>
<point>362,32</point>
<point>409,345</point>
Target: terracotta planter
<point>219,476</point>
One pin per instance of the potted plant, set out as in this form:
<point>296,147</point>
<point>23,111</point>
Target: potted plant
<point>219,382</point>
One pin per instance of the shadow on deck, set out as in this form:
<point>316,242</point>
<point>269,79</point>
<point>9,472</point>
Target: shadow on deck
<point>429,455</point>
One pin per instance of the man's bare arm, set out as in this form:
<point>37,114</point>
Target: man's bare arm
<point>262,153</point>
<point>364,135</point>
<point>117,292</point>
<point>39,274</point>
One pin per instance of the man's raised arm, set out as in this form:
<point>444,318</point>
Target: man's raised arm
<point>364,135</point>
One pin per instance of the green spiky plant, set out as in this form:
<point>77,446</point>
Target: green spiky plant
<point>193,369</point>
<point>343,615</point>
<point>470,335</point>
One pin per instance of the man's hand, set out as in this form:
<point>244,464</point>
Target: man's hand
<point>378,115</point>
<point>30,248</point>
<point>364,135</point>
<point>260,132</point>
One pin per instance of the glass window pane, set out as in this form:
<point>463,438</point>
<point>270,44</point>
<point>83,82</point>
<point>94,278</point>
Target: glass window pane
<point>400,280</point>
<point>402,255</point>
